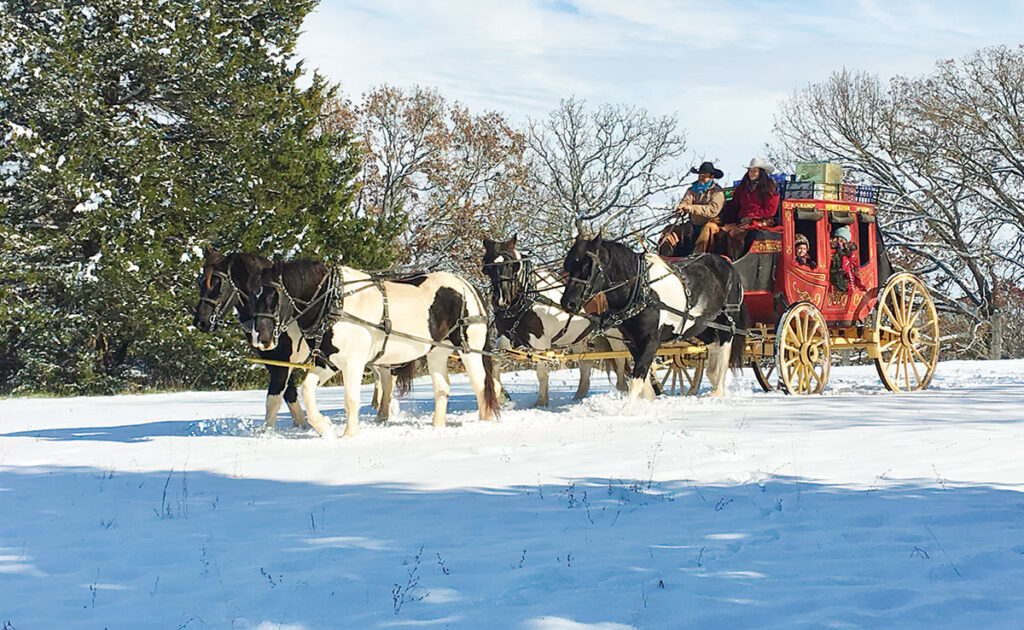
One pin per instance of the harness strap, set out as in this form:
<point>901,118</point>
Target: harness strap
<point>385,324</point>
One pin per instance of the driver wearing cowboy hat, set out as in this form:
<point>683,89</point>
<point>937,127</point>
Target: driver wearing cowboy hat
<point>702,203</point>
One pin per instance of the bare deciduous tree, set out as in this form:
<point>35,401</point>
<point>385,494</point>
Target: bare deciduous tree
<point>591,165</point>
<point>455,175</point>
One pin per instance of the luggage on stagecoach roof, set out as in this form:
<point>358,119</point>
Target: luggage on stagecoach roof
<point>819,172</point>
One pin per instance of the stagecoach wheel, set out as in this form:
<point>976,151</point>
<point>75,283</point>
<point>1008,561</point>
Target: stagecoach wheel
<point>907,334</point>
<point>764,372</point>
<point>677,375</point>
<point>803,350</point>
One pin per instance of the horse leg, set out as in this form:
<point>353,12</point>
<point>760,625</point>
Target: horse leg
<point>542,384</point>
<point>718,364</point>
<point>377,393</point>
<point>291,397</point>
<point>584,387</point>
<point>640,384</point>
<point>352,377</point>
<point>474,365</point>
<point>278,380</point>
<point>437,365</point>
<point>385,385</point>
<point>621,382</point>
<point>309,384</point>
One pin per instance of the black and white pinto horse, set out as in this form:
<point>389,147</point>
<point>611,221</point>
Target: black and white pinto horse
<point>356,319</point>
<point>219,294</point>
<point>527,312</point>
<point>652,301</point>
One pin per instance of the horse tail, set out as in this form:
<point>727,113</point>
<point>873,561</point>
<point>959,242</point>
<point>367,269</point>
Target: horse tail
<point>739,341</point>
<point>492,406</point>
<point>403,378</point>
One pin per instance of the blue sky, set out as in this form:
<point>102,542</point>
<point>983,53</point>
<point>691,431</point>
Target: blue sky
<point>722,66</point>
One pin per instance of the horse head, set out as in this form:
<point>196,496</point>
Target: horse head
<point>276,292</point>
<point>222,285</point>
<point>583,266</point>
<point>271,306</point>
<point>217,293</point>
<point>505,268</point>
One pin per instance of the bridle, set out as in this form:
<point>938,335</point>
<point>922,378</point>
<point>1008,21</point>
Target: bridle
<point>225,299</point>
<point>639,296</point>
<point>590,288</point>
<point>327,300</point>
<point>517,274</point>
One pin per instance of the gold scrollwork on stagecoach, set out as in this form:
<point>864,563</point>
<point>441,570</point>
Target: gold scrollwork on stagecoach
<point>838,298</point>
<point>804,296</point>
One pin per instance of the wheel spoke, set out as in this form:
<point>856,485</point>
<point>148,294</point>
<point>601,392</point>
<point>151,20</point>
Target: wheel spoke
<point>885,307</point>
<point>913,364</point>
<point>920,356</point>
<point>903,302</point>
<point>892,358</point>
<point>816,328</point>
<point>891,331</point>
<point>888,344</point>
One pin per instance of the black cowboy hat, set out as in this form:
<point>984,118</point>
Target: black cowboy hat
<point>709,168</point>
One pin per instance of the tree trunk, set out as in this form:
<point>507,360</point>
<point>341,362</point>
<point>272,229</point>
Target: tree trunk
<point>995,350</point>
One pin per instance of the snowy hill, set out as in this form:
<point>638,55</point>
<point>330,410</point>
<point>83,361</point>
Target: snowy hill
<point>859,508</point>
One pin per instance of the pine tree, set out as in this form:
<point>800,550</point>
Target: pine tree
<point>134,134</point>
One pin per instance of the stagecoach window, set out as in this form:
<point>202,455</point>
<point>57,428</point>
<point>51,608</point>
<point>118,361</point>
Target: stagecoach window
<point>809,228</point>
<point>864,241</point>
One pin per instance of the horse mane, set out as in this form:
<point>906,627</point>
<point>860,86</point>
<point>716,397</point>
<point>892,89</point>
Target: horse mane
<point>301,277</point>
<point>621,261</point>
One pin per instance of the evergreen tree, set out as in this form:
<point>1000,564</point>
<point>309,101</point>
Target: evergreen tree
<point>134,133</point>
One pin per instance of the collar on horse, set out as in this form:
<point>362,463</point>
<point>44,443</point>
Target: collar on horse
<point>639,297</point>
<point>327,301</point>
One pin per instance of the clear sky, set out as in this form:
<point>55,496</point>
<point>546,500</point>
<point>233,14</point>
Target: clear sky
<point>722,65</point>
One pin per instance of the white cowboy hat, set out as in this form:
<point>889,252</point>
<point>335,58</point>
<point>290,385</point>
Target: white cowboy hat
<point>762,164</point>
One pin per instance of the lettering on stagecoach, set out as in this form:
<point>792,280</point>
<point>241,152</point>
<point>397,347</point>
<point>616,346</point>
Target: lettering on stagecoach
<point>765,247</point>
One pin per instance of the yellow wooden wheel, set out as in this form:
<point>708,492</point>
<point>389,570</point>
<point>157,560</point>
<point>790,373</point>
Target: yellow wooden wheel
<point>907,334</point>
<point>676,374</point>
<point>803,350</point>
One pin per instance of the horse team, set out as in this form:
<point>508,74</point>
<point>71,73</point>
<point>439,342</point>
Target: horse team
<point>344,320</point>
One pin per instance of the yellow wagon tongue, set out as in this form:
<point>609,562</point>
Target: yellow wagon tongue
<point>300,366</point>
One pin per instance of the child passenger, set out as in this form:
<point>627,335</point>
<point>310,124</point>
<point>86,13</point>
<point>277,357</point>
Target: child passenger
<point>803,252</point>
<point>843,273</point>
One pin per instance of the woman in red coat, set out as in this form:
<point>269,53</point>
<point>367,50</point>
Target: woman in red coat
<point>757,198</point>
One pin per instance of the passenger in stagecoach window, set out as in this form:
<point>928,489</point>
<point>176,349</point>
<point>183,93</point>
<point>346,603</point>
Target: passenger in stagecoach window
<point>702,203</point>
<point>757,201</point>
<point>803,252</point>
<point>843,272</point>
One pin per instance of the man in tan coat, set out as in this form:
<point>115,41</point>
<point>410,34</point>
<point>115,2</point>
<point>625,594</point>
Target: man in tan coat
<point>702,203</point>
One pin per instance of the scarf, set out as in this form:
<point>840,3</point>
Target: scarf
<point>699,188</point>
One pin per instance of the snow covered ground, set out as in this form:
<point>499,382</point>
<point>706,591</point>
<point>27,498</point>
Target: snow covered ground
<point>857,509</point>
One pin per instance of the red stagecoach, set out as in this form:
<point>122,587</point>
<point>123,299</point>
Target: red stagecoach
<point>800,319</point>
